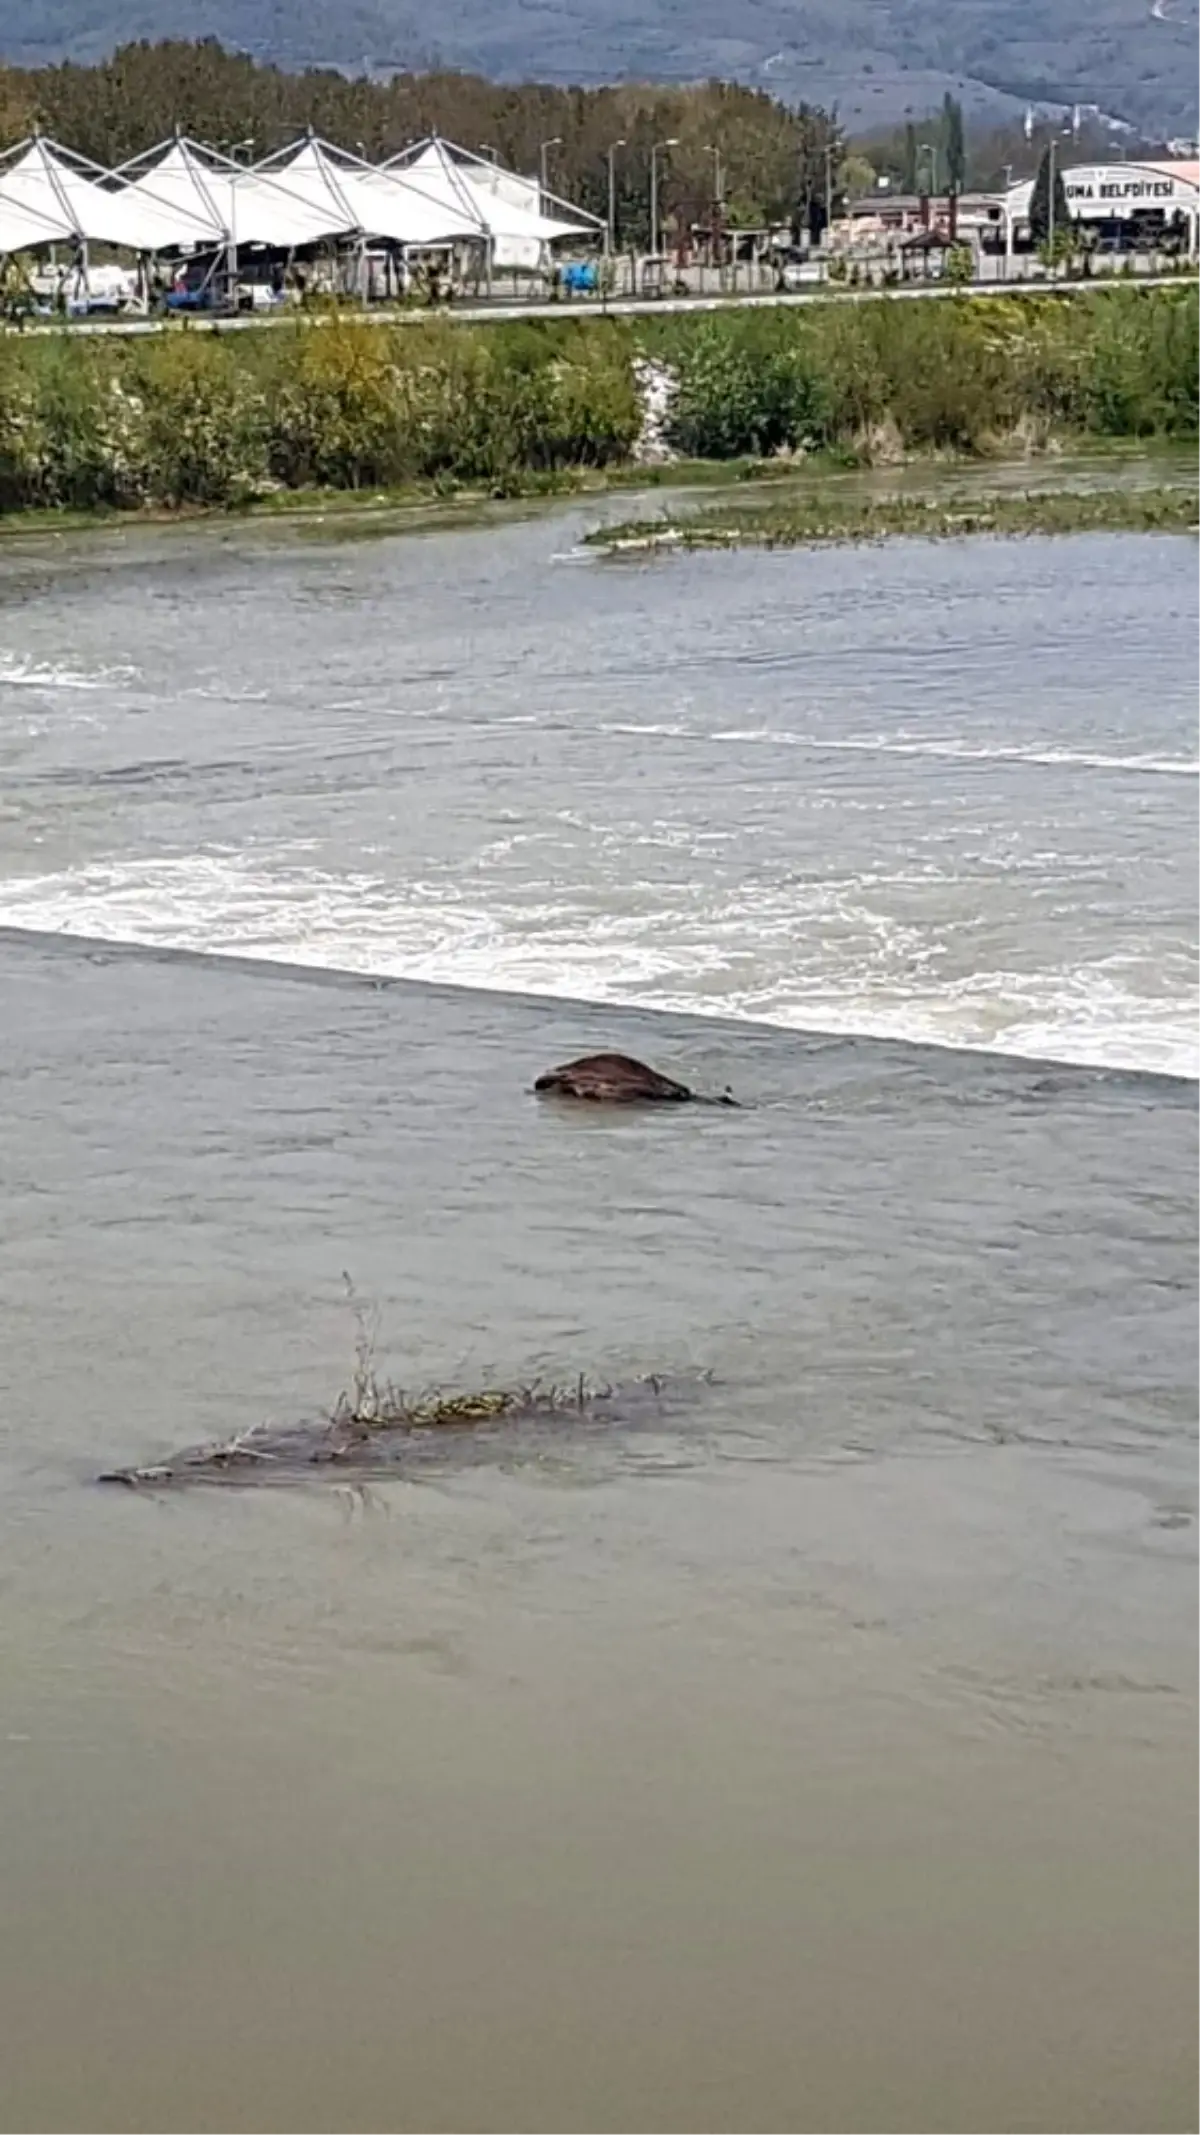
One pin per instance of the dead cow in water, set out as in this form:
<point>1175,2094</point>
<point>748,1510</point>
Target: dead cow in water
<point>615,1079</point>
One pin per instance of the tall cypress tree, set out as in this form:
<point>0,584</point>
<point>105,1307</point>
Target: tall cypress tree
<point>954,143</point>
<point>1039,202</point>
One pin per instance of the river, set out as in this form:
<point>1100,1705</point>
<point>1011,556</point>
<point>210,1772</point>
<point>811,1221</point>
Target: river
<point>815,1754</point>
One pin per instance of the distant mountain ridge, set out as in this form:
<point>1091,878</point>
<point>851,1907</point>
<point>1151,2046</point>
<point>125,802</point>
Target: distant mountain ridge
<point>879,60</point>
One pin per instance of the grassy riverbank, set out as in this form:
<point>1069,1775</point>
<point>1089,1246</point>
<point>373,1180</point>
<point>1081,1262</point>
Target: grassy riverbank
<point>191,421</point>
<point>450,502</point>
<point>822,517</point>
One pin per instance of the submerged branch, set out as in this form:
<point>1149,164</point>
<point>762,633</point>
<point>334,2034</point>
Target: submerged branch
<point>374,1428</point>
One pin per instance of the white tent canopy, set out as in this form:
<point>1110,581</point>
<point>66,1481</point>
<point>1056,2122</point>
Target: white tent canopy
<point>48,183</point>
<point>183,195</point>
<point>233,205</point>
<point>23,228</point>
<point>378,203</point>
<point>509,205</point>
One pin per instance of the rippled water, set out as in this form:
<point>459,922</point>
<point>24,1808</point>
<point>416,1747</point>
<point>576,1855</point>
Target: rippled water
<point>818,1754</point>
<point>944,793</point>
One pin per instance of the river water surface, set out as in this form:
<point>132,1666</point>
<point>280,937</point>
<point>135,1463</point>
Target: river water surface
<point>815,1754</point>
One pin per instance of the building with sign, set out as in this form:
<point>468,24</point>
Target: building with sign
<point>1126,204</point>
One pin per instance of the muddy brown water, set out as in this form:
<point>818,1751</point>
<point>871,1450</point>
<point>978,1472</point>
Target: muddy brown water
<point>819,1756</point>
<point>816,1753</point>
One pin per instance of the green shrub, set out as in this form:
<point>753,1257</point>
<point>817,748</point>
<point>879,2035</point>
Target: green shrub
<point>205,420</point>
<point>333,408</point>
<point>747,386</point>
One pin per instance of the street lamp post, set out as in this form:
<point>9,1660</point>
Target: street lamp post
<point>828,192</point>
<point>236,150</point>
<point>718,217</point>
<point>1054,140</point>
<point>610,227</point>
<point>929,151</point>
<point>655,152</point>
<point>555,141</point>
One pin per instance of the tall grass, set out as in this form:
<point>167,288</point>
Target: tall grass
<point>192,418</point>
<point>964,376</point>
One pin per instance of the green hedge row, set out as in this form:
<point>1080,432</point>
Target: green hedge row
<point>200,418</point>
<point>967,375</point>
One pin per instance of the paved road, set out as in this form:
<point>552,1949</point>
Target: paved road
<point>586,308</point>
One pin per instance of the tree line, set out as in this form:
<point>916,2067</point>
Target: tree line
<point>940,152</point>
<point>733,151</point>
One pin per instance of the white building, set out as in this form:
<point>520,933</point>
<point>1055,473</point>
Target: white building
<point>1121,201</point>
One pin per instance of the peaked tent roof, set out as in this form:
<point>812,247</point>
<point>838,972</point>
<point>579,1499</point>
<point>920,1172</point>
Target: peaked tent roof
<point>177,179</point>
<point>504,190</point>
<point>455,174</point>
<point>48,182</point>
<point>234,205</point>
<point>21,227</point>
<point>380,203</point>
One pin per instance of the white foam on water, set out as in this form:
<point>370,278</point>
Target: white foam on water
<point>816,955</point>
<point>954,751</point>
<point>46,675</point>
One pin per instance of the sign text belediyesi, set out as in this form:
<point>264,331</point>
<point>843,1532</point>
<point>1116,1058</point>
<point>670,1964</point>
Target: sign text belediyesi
<point>1100,187</point>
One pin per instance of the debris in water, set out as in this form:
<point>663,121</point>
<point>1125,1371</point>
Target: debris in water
<point>376,1430</point>
<point>616,1079</point>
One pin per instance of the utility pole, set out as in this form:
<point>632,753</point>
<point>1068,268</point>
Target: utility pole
<point>718,217</point>
<point>1050,203</point>
<point>929,151</point>
<point>543,178</point>
<point>610,228</point>
<point>828,191</point>
<point>655,152</point>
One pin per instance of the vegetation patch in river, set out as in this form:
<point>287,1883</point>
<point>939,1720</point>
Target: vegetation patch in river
<point>376,1426</point>
<point>820,517</point>
<point>377,1435</point>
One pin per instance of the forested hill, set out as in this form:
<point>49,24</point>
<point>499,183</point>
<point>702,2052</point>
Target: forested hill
<point>877,60</point>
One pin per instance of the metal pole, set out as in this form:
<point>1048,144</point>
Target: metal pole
<point>1050,209</point>
<point>543,175</point>
<point>828,191</point>
<point>610,234</point>
<point>670,142</point>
